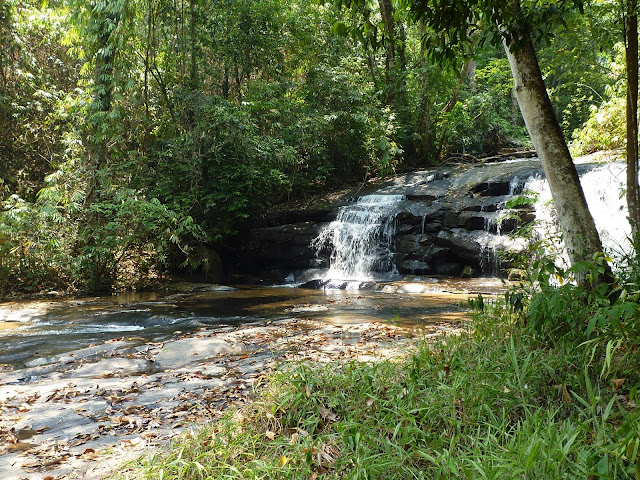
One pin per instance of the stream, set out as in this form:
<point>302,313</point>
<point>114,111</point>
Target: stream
<point>32,331</point>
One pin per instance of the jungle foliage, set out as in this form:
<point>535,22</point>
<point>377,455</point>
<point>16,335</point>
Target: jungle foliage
<point>133,132</point>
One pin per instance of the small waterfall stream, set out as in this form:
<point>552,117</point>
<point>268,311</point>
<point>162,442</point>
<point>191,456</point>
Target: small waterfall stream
<point>445,222</point>
<point>603,187</point>
<point>360,238</point>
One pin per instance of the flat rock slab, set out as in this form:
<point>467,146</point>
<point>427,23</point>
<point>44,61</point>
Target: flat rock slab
<point>113,367</point>
<point>191,350</point>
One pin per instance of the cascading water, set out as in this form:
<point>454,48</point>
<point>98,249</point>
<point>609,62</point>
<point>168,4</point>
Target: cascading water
<point>489,243</point>
<point>493,240</point>
<point>360,238</point>
<point>451,223</point>
<point>603,188</point>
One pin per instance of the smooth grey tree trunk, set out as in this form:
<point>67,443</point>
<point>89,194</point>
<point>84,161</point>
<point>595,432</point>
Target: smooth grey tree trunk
<point>576,223</point>
<point>631,50</point>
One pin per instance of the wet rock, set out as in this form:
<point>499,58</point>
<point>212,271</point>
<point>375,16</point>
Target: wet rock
<point>415,266</point>
<point>312,215</point>
<point>468,272</point>
<point>315,284</point>
<point>492,189</point>
<point>449,269</point>
<point>412,243</point>
<point>367,286</point>
<point>297,232</point>
<point>461,241</point>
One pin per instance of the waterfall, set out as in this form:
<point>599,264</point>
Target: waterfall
<point>489,245</point>
<point>603,187</point>
<point>492,240</point>
<point>360,238</point>
<point>450,222</point>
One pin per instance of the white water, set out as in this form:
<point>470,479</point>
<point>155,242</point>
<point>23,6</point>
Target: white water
<point>360,238</point>
<point>491,244</point>
<point>604,190</point>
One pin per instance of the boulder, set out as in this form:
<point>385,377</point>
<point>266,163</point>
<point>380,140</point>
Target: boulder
<point>462,242</point>
<point>413,243</point>
<point>414,266</point>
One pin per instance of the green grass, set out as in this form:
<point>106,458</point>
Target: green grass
<point>495,403</point>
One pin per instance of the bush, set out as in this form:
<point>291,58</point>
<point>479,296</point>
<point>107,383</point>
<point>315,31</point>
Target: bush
<point>604,130</point>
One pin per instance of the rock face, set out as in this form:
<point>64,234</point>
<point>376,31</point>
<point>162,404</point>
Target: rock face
<point>451,221</point>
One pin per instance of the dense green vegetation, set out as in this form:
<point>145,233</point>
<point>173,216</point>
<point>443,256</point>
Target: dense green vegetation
<point>543,384</point>
<point>133,133</point>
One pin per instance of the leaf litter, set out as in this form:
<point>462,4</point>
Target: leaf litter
<point>133,412</point>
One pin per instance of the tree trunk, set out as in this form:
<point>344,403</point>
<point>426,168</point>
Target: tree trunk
<point>193,71</point>
<point>580,235</point>
<point>631,50</point>
<point>456,91</point>
<point>386,12</point>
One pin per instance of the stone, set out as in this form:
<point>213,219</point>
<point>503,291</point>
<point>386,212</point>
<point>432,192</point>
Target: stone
<point>516,274</point>
<point>468,272</point>
<point>451,220</point>
<point>449,269</point>
<point>460,241</point>
<point>315,284</point>
<point>415,267</point>
<point>412,243</point>
<point>185,351</point>
<point>114,367</point>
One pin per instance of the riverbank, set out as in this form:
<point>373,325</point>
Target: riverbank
<point>82,413</point>
<point>499,401</point>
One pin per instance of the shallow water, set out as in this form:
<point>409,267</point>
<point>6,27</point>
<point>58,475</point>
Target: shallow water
<point>33,329</point>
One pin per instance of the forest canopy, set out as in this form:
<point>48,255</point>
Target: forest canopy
<point>133,133</point>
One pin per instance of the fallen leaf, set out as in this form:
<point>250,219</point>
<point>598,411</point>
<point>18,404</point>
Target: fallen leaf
<point>617,383</point>
<point>327,414</point>
<point>565,395</point>
<point>270,435</point>
<point>89,454</point>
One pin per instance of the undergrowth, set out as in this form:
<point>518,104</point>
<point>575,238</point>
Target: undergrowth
<point>495,402</point>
